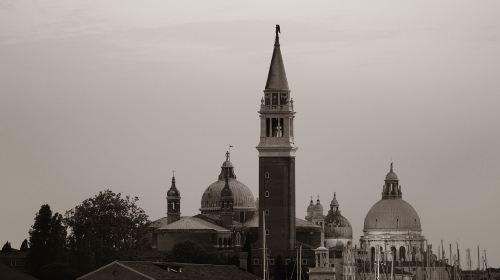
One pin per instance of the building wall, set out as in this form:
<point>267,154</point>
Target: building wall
<point>277,176</point>
<point>166,240</point>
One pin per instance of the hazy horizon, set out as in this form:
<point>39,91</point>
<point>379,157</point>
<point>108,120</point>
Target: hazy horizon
<point>116,94</point>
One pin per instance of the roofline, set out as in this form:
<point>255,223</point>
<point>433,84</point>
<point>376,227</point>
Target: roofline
<point>110,264</point>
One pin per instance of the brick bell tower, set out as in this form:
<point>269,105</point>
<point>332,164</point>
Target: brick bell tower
<point>277,161</point>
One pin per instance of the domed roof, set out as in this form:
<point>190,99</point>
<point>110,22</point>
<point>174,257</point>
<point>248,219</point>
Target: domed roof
<point>243,198</point>
<point>391,176</point>
<point>310,207</point>
<point>173,191</point>
<point>392,215</point>
<point>336,225</point>
<point>318,208</point>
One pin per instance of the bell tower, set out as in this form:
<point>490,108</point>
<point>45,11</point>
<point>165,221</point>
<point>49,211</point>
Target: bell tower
<point>173,203</point>
<point>277,160</point>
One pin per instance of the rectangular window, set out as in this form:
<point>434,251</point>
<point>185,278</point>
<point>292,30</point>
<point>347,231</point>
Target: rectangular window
<point>283,99</point>
<point>268,127</point>
<point>267,100</point>
<point>274,124</point>
<point>282,127</point>
<point>274,99</point>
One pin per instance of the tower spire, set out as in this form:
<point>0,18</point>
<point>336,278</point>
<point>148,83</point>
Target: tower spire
<point>277,39</point>
<point>276,78</point>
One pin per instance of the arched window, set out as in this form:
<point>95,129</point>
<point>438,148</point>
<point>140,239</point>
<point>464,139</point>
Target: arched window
<point>402,253</point>
<point>372,254</point>
<point>220,242</point>
<point>393,253</point>
<point>225,242</point>
<point>238,239</point>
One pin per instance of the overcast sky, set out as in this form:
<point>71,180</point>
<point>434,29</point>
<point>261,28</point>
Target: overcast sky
<point>115,94</point>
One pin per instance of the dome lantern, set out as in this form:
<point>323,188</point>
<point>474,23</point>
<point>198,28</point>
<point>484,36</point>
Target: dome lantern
<point>391,188</point>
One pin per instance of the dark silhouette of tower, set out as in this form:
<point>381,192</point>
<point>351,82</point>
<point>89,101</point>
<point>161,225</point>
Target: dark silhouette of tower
<point>277,161</point>
<point>173,203</point>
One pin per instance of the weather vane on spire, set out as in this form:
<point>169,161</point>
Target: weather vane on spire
<point>277,40</point>
<point>228,153</point>
<point>173,173</point>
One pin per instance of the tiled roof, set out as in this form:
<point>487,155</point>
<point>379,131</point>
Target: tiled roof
<point>193,223</point>
<point>182,271</point>
<point>159,223</point>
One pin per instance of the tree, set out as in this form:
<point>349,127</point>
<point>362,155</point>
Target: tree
<point>24,246</point>
<point>47,240</point>
<point>105,228</point>
<point>6,247</point>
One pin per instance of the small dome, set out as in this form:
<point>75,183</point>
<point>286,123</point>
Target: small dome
<point>392,215</point>
<point>391,176</point>
<point>318,208</point>
<point>310,207</point>
<point>173,191</point>
<point>337,226</point>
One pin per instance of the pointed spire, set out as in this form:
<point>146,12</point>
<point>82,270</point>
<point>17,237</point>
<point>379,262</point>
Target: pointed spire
<point>276,79</point>
<point>277,39</point>
<point>173,191</point>
<point>334,205</point>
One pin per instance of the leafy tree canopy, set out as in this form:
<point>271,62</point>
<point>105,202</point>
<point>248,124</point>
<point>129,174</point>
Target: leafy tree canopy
<point>47,240</point>
<point>24,246</point>
<point>105,228</point>
<point>6,247</point>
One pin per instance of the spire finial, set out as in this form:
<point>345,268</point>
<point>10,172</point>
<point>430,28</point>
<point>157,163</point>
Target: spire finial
<point>227,155</point>
<point>334,194</point>
<point>392,165</point>
<point>277,40</point>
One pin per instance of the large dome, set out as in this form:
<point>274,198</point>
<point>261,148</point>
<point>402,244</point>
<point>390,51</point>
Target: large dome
<point>242,195</point>
<point>392,215</point>
<point>243,199</point>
